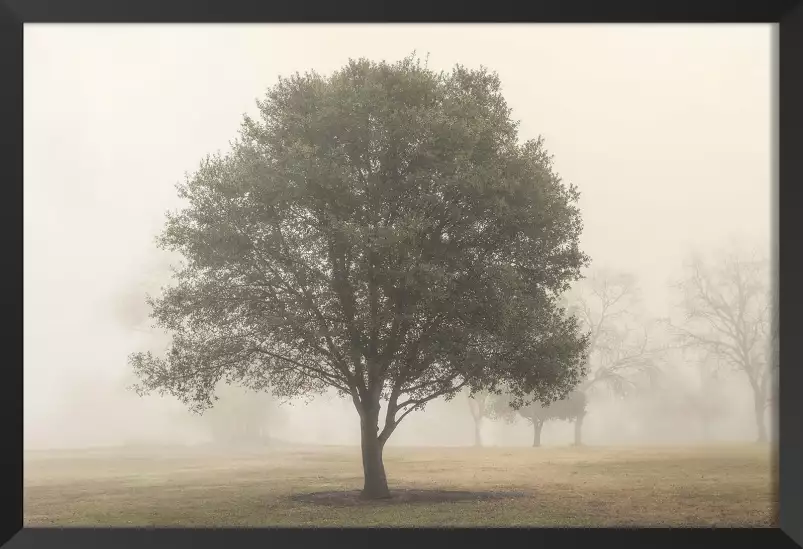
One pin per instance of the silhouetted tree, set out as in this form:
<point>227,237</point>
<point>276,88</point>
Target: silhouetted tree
<point>478,405</point>
<point>726,304</point>
<point>707,401</point>
<point>131,311</point>
<point>775,348</point>
<point>380,231</point>
<point>130,307</point>
<point>241,417</point>
<point>570,408</point>
<point>620,352</point>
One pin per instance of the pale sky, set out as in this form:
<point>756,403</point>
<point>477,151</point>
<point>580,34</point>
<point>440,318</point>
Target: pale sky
<point>666,130</point>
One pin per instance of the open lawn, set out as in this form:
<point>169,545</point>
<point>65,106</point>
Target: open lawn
<point>724,485</point>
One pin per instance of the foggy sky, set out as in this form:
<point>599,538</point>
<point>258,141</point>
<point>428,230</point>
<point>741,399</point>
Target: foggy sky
<point>666,131</point>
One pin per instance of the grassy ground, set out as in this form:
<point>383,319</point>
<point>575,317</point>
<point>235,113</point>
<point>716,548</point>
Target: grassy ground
<point>722,486</point>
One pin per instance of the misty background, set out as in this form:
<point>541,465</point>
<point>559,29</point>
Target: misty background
<point>665,130</point>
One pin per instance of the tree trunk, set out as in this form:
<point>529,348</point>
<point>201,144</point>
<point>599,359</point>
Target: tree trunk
<point>477,432</point>
<point>376,484</point>
<point>578,430</point>
<point>760,406</point>
<point>772,409</point>
<point>537,426</point>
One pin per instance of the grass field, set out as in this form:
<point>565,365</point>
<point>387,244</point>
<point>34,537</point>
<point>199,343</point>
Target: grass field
<point>707,486</point>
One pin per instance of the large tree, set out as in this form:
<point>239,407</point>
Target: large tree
<point>381,231</point>
<point>727,304</point>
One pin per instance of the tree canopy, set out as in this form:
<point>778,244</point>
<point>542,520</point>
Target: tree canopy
<point>381,231</point>
<point>569,408</point>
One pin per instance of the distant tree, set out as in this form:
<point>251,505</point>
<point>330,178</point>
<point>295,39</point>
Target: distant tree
<point>130,308</point>
<point>677,406</point>
<point>380,231</point>
<point>241,417</point>
<point>621,350</point>
<point>727,313</point>
<point>707,402</point>
<point>775,345</point>
<point>479,405</point>
<point>570,408</point>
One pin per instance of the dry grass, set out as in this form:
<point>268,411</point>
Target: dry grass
<point>722,486</point>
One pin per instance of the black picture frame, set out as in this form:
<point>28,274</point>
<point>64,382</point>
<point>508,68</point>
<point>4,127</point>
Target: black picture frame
<point>789,15</point>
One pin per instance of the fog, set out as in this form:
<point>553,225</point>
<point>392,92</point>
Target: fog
<point>665,130</point>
